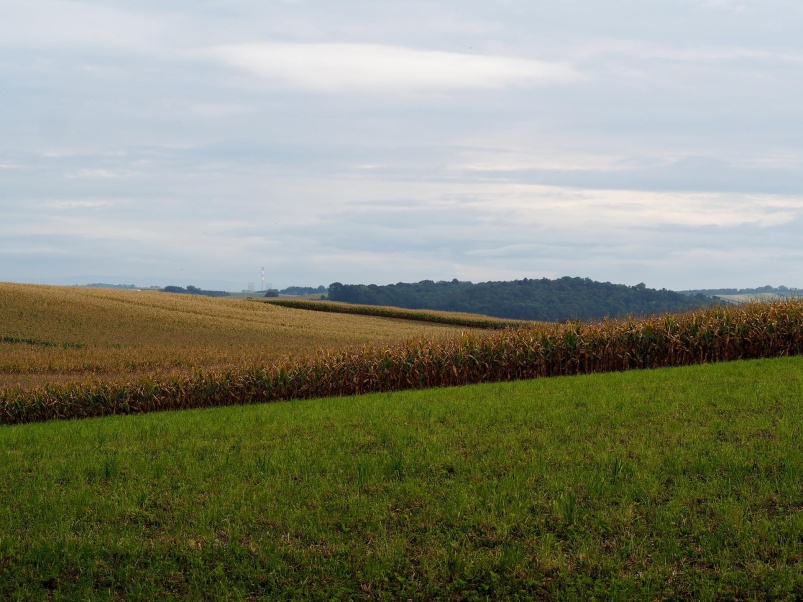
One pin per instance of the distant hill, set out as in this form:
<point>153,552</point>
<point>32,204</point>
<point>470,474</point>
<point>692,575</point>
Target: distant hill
<point>302,290</point>
<point>194,290</point>
<point>548,300</point>
<point>104,285</point>
<point>778,290</point>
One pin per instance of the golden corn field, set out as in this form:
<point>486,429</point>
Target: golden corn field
<point>422,315</point>
<point>51,335</point>
<point>717,334</point>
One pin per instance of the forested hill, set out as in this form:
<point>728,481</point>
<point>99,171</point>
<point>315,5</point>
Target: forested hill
<point>547,300</point>
<point>779,290</point>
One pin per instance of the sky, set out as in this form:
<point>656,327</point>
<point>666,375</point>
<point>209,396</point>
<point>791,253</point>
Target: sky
<point>369,141</point>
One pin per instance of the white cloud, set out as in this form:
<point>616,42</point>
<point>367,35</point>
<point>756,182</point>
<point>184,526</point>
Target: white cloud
<point>504,161</point>
<point>379,68</point>
<point>728,4</point>
<point>80,204</point>
<point>218,109</point>
<point>78,25</point>
<point>582,210</point>
<point>103,174</point>
<point>153,132</point>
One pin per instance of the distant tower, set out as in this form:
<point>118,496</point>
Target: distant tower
<point>263,279</point>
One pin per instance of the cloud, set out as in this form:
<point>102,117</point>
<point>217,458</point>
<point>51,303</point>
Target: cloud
<point>728,4</point>
<point>496,208</point>
<point>79,204</point>
<point>78,25</point>
<point>103,174</point>
<point>769,174</point>
<point>656,142</point>
<point>380,68</point>
<point>218,109</point>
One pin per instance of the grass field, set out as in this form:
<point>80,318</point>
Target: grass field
<point>680,483</point>
<point>57,334</point>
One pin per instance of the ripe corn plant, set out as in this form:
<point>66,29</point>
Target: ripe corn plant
<point>39,342</point>
<point>57,335</point>
<point>757,330</point>
<point>437,317</point>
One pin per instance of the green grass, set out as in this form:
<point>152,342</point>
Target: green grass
<point>681,483</point>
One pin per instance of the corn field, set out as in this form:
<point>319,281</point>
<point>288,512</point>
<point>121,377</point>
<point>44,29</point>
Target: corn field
<point>56,335</point>
<point>418,315</point>
<point>758,330</point>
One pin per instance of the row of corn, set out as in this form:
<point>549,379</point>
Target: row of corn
<point>39,342</point>
<point>418,315</point>
<point>718,334</point>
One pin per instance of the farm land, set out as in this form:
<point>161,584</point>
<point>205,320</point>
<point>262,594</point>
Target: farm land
<point>672,483</point>
<point>752,297</point>
<point>54,335</point>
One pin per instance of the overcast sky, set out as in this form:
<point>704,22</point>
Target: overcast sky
<point>369,141</point>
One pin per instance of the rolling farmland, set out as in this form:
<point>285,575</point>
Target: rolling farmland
<point>753,297</point>
<point>676,484</point>
<point>670,483</point>
<point>446,358</point>
<point>61,334</point>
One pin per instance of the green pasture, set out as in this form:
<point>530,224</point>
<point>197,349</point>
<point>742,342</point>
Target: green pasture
<point>680,483</point>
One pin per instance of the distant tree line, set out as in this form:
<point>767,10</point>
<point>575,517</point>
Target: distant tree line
<point>104,285</point>
<point>547,300</point>
<point>780,290</point>
<point>302,290</point>
<point>194,290</point>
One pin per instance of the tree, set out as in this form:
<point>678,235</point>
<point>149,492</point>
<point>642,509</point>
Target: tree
<point>335,291</point>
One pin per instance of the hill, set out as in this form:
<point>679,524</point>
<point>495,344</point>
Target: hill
<point>194,290</point>
<point>761,290</point>
<point>719,333</point>
<point>748,295</point>
<point>679,484</point>
<point>540,300</point>
<point>106,285</point>
<point>52,334</point>
<point>301,291</point>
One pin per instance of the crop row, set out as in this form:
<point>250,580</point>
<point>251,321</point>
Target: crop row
<point>51,335</point>
<point>40,342</point>
<point>449,318</point>
<point>718,334</point>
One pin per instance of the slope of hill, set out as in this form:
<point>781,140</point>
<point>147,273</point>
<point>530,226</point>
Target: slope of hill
<point>543,300</point>
<point>784,291</point>
<point>54,334</point>
<point>715,334</point>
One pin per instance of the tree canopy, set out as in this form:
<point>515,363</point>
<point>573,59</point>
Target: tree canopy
<point>542,299</point>
<point>194,290</point>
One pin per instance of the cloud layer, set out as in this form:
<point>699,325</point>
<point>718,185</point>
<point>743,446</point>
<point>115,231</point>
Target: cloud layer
<point>384,69</point>
<point>379,141</point>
